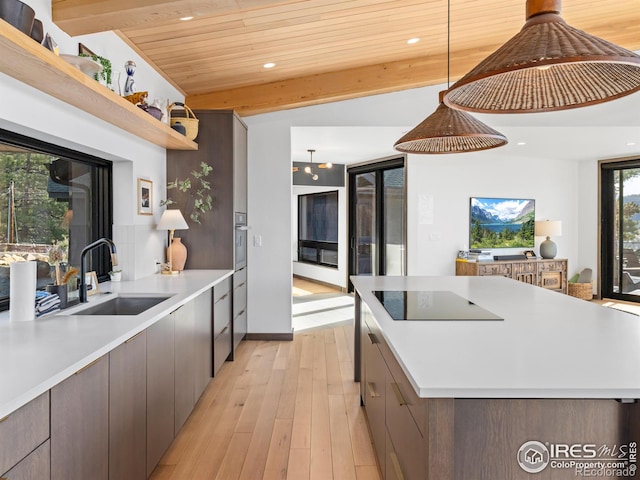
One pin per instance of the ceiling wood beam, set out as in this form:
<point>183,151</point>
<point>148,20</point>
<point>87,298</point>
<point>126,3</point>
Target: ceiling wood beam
<point>340,85</point>
<point>80,17</point>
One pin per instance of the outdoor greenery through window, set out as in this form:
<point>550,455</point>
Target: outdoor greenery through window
<point>318,228</point>
<point>620,210</point>
<point>53,202</point>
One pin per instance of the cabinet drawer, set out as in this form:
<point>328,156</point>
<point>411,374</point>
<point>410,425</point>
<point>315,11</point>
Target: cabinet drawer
<point>239,299</point>
<point>406,439</point>
<point>221,347</point>
<point>551,280</point>
<point>37,465</point>
<point>524,267</point>
<point>221,313</point>
<point>221,289</point>
<point>503,269</point>
<point>553,266</point>
<point>239,277</point>
<point>23,430</point>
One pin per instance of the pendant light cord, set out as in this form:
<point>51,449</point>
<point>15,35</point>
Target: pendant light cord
<point>448,43</point>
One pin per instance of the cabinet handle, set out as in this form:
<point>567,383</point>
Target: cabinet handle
<point>223,297</point>
<point>240,313</point>
<point>398,393</point>
<point>241,284</point>
<point>372,338</point>
<point>134,337</point>
<point>372,390</point>
<point>224,329</point>
<point>396,466</point>
<point>88,366</point>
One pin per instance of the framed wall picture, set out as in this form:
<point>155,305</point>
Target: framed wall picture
<point>91,281</point>
<point>145,197</point>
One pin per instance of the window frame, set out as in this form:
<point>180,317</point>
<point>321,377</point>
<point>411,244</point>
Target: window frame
<point>101,189</point>
<point>608,206</point>
<point>318,245</point>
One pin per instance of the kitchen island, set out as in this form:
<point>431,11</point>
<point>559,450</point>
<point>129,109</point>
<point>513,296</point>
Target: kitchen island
<point>541,383</point>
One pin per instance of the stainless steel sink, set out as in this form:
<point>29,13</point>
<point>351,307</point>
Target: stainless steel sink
<point>123,305</point>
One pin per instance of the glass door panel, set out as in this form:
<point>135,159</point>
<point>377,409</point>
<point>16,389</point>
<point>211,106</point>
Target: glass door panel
<point>365,224</point>
<point>393,213</point>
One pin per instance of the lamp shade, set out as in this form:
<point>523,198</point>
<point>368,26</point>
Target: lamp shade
<point>547,66</point>
<point>172,220</point>
<point>450,131</point>
<point>548,228</point>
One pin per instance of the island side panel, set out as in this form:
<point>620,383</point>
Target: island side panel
<point>490,432</point>
<point>357,351</point>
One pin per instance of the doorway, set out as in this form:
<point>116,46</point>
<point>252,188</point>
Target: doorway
<point>377,218</point>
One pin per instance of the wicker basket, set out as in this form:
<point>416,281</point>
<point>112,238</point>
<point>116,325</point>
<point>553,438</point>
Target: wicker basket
<point>583,291</point>
<point>189,121</point>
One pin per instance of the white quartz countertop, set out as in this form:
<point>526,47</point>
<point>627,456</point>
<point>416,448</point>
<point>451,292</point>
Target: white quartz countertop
<point>549,345</point>
<point>36,355</point>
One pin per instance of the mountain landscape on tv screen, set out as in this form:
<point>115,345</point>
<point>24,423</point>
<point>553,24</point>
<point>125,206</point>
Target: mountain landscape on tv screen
<point>502,223</point>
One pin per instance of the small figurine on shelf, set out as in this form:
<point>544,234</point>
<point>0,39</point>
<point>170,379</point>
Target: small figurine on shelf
<point>130,85</point>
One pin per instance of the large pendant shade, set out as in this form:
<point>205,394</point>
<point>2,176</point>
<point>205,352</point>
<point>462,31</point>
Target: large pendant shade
<point>450,131</point>
<point>547,66</point>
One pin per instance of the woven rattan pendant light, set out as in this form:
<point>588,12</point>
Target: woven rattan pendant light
<point>447,130</point>
<point>547,66</point>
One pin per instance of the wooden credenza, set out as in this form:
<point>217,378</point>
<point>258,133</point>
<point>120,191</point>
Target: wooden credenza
<point>550,274</point>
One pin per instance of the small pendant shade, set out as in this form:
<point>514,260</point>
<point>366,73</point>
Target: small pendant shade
<point>547,66</point>
<point>450,131</point>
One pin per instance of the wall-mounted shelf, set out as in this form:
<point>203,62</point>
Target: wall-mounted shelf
<point>31,63</point>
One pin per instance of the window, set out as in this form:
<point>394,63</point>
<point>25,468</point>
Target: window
<point>318,228</point>
<point>620,230</point>
<point>50,195</point>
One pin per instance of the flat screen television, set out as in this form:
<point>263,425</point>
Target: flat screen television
<point>501,223</point>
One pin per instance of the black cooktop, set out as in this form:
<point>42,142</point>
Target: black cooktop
<point>431,305</point>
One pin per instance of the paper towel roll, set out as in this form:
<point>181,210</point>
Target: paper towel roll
<point>22,291</point>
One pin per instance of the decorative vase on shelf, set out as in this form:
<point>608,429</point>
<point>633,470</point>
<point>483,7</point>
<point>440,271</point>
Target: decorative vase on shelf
<point>115,276</point>
<point>177,252</point>
<point>129,84</point>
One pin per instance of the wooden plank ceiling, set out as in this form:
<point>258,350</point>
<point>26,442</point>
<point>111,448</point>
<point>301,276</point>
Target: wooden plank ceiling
<point>324,50</point>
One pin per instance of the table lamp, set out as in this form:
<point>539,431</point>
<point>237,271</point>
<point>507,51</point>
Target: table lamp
<point>548,228</point>
<point>173,220</point>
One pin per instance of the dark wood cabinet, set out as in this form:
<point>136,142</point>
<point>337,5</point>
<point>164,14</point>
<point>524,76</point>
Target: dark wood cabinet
<point>80,424</point>
<point>185,375</point>
<point>222,144</point>
<point>21,432</point>
<point>36,466</point>
<point>160,389</point>
<point>239,306</point>
<point>222,309</point>
<point>128,409</point>
<point>203,305</point>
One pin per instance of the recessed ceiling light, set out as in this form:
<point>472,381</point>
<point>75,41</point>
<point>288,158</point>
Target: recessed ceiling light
<point>411,41</point>
<point>521,143</point>
<point>186,19</point>
<point>630,144</point>
<point>269,65</point>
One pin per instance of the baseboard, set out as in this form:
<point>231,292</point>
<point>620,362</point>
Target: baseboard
<point>270,337</point>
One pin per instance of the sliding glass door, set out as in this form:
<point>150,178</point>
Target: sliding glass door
<point>377,213</point>
<point>620,233</point>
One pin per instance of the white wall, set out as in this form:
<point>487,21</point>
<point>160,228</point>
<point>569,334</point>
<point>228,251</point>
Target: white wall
<point>451,181</point>
<point>29,112</point>
<point>333,276</point>
<point>564,189</point>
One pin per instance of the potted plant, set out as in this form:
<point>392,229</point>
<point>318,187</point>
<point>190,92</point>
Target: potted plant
<point>115,275</point>
<point>202,200</point>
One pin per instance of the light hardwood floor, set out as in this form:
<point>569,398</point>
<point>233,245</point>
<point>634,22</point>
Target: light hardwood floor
<point>281,410</point>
